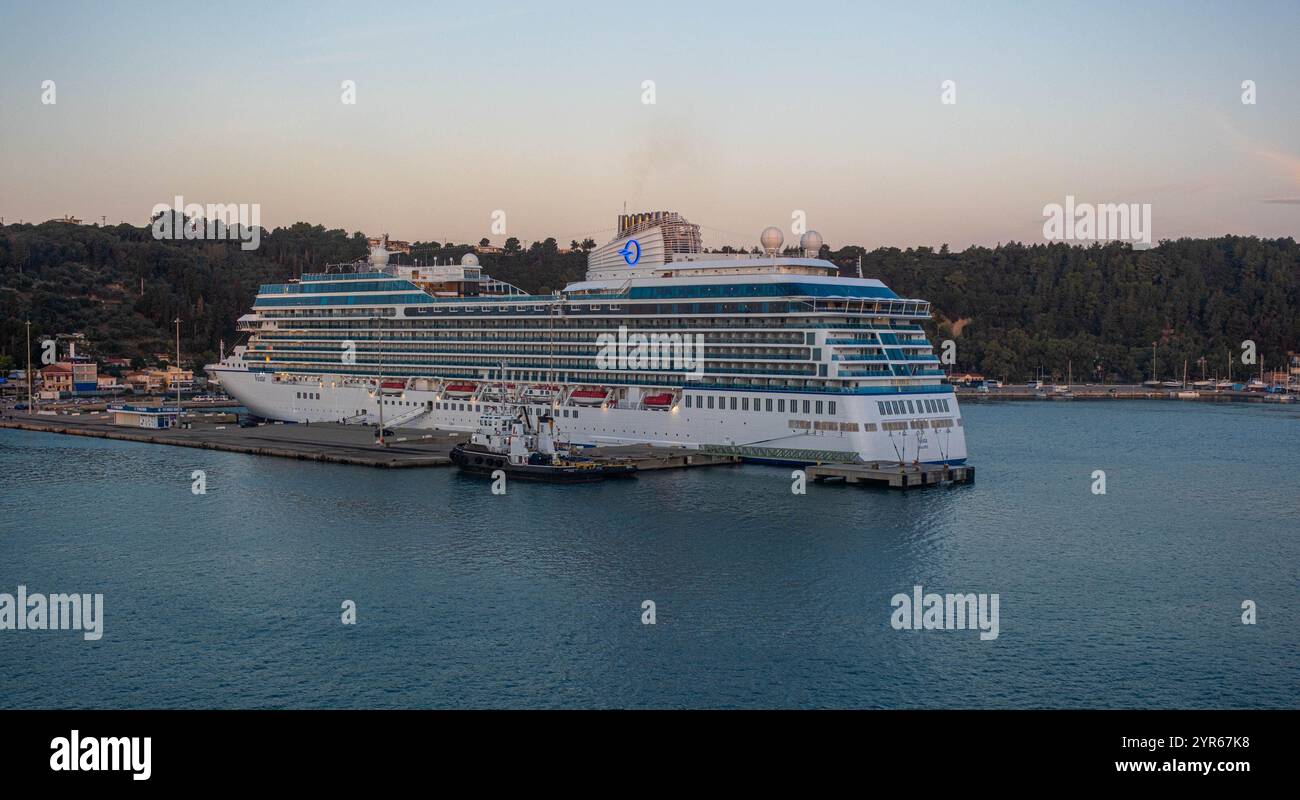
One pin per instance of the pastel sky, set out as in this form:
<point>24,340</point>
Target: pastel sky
<point>761,108</point>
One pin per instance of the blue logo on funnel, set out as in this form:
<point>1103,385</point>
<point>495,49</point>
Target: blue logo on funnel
<point>631,252</point>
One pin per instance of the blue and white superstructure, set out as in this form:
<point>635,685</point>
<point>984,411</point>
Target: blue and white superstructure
<point>799,364</point>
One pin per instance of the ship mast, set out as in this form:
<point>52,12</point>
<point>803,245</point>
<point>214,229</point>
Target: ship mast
<point>30,408</point>
<point>379,328</point>
<point>178,364</point>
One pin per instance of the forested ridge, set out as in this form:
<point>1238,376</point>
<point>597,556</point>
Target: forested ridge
<point>1011,309</point>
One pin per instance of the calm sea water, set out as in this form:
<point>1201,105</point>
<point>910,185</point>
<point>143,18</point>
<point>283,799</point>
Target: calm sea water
<point>764,598</point>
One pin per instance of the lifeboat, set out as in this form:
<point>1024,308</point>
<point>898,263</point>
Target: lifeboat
<point>589,397</point>
<point>659,400</point>
<point>497,391</point>
<point>541,392</point>
<point>392,387</point>
<point>459,390</point>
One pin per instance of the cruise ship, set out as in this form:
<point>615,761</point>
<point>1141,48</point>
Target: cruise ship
<point>786,361</point>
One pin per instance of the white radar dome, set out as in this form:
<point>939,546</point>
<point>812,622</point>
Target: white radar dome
<point>469,260</point>
<point>811,243</point>
<point>771,239</point>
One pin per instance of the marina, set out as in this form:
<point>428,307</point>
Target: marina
<point>1122,392</point>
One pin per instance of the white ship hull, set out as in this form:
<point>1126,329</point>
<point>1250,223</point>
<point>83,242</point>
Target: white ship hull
<point>756,435</point>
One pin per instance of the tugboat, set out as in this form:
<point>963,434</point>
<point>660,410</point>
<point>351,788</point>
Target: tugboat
<point>530,452</point>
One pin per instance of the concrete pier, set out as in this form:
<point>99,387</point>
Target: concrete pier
<point>892,474</point>
<point>328,442</point>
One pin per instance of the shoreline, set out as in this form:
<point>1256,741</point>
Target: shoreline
<point>1126,392</point>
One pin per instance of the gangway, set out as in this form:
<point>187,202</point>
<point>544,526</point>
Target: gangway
<point>401,419</point>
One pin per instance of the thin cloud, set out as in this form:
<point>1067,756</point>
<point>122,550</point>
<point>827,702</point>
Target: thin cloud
<point>1289,162</point>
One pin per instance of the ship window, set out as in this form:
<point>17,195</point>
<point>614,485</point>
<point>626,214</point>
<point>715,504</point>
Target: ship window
<point>880,407</point>
<point>819,406</point>
<point>768,404</point>
<point>575,413</point>
<point>710,401</point>
<point>831,407</point>
<point>744,404</point>
<point>780,406</point>
<point>945,405</point>
<point>806,404</point>
<point>733,403</point>
<point>911,409</point>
